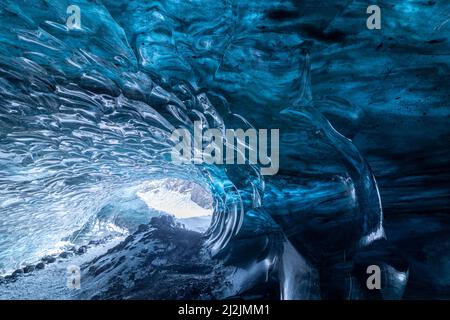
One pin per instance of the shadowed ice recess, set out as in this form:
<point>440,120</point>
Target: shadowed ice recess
<point>86,117</point>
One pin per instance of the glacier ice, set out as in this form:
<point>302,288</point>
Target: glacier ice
<point>85,121</point>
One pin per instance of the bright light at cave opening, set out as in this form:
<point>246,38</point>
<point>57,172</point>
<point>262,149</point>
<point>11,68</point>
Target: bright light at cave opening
<point>181,198</point>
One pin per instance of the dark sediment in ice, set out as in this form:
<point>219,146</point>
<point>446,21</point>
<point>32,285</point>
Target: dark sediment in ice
<point>159,261</point>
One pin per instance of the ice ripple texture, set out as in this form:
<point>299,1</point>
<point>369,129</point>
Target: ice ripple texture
<point>86,116</point>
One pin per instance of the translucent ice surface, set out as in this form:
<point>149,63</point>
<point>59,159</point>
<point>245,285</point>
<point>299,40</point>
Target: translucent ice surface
<point>87,114</point>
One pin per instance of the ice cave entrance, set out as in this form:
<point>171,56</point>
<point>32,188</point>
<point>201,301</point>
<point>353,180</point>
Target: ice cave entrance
<point>190,203</point>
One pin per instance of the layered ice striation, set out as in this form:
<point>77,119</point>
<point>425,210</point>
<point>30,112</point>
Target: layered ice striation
<point>86,117</point>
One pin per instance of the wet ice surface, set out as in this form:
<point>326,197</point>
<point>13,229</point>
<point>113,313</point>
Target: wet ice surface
<point>85,117</point>
<point>51,283</point>
<point>161,260</point>
<point>115,263</point>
